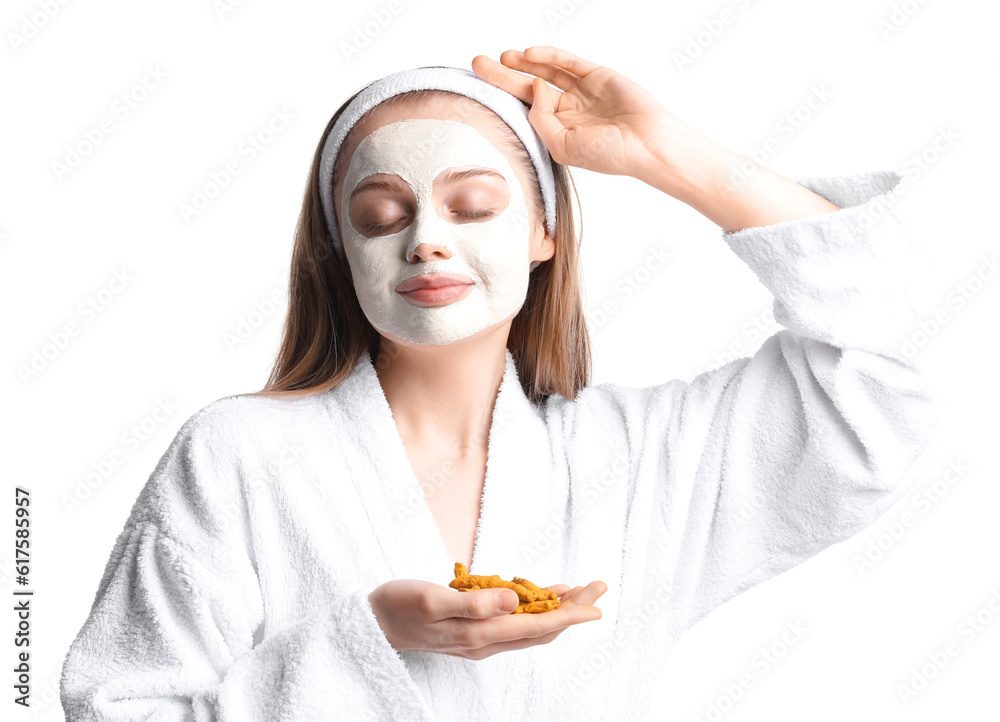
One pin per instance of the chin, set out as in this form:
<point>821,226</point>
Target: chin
<point>441,325</point>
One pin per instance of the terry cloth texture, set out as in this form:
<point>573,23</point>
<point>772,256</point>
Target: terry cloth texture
<point>238,587</point>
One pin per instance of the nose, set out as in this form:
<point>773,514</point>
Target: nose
<point>425,251</point>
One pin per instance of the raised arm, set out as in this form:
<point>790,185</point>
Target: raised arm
<point>756,466</point>
<point>775,457</point>
<point>176,629</point>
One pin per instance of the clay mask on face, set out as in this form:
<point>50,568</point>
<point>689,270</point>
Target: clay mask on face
<point>493,253</point>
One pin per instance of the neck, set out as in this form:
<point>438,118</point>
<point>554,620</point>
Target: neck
<point>444,394</point>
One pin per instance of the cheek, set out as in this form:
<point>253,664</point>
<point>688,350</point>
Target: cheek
<point>372,265</point>
<point>500,258</point>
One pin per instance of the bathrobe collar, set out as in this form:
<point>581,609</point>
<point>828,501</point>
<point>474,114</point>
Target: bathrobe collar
<point>519,465</point>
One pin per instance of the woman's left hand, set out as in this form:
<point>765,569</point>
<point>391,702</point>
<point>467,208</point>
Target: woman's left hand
<point>602,121</point>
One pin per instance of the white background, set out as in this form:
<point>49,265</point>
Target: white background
<point>162,339</point>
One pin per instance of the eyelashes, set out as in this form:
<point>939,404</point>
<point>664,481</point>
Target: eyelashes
<point>376,228</point>
<point>477,214</point>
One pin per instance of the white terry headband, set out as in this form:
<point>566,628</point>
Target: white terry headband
<point>509,107</point>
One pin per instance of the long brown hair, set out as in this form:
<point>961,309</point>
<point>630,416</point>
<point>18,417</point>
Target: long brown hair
<point>325,332</point>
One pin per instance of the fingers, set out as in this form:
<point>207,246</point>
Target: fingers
<point>591,593</point>
<point>490,649</point>
<point>493,72</point>
<point>560,78</point>
<point>562,58</point>
<point>543,103</point>
<point>560,67</point>
<point>542,117</point>
<point>476,634</point>
<point>570,596</point>
<point>476,628</point>
<point>484,603</point>
<point>475,604</point>
<point>584,595</point>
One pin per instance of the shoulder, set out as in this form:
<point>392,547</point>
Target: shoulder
<point>611,402</point>
<point>614,397</point>
<point>216,452</point>
<point>233,435</point>
<point>245,421</point>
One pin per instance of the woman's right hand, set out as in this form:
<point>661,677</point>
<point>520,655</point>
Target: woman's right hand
<point>422,616</point>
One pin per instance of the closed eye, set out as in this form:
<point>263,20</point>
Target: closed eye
<point>376,228</point>
<point>476,215</point>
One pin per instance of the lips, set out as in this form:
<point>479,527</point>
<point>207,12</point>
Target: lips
<point>432,280</point>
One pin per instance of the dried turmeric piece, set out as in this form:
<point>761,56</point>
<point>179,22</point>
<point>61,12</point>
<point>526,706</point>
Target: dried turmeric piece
<point>532,598</point>
<point>544,605</point>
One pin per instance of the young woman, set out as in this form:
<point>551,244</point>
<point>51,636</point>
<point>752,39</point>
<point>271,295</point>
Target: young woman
<point>289,557</point>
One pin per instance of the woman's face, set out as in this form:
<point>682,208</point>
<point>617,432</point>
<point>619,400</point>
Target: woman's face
<point>429,199</point>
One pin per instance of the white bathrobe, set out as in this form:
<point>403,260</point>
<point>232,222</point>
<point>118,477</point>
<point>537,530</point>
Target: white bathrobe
<point>238,589</point>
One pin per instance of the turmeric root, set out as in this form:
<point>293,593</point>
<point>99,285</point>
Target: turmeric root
<point>532,598</point>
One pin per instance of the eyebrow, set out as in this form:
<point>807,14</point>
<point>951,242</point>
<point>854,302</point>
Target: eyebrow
<point>456,175</point>
<point>450,176</point>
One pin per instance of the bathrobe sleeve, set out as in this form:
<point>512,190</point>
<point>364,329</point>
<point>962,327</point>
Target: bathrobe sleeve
<point>176,628</point>
<point>754,467</point>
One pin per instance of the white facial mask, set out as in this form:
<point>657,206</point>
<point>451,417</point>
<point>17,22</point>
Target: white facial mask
<point>494,252</point>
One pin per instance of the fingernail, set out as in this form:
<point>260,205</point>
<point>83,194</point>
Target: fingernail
<point>507,601</point>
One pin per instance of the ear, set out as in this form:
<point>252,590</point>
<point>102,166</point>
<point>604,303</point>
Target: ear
<point>545,250</point>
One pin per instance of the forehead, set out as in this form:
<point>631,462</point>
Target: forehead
<point>446,106</point>
<point>418,149</point>
<point>439,106</point>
